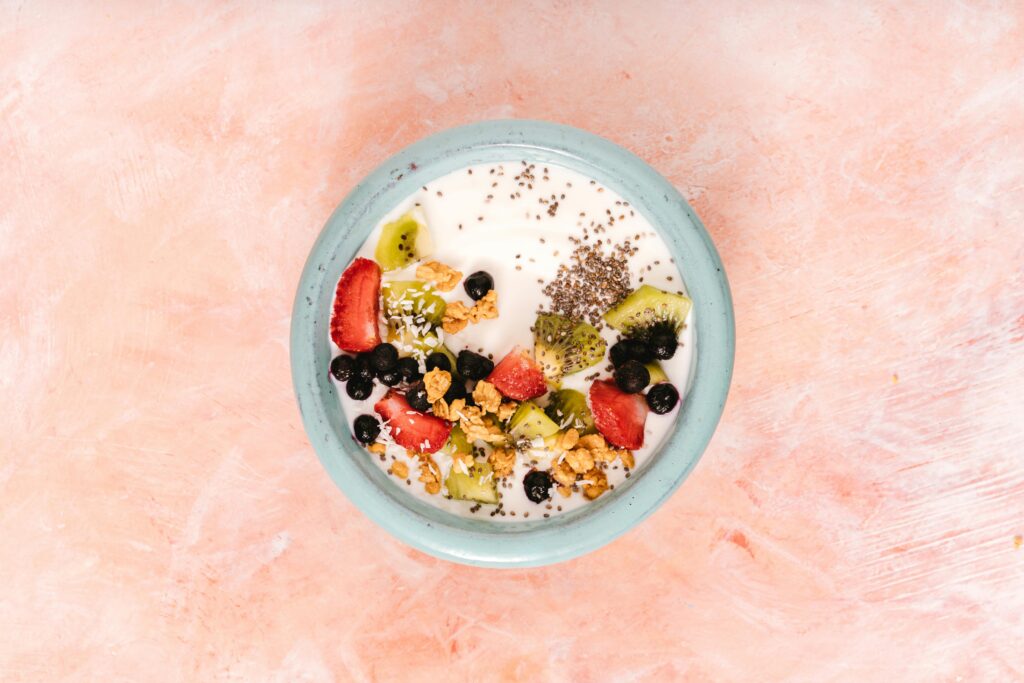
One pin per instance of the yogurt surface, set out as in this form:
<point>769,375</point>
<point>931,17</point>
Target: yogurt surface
<point>488,218</point>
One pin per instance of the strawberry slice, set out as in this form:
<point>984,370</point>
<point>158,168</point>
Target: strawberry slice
<point>518,376</point>
<point>357,307</point>
<point>412,430</point>
<point>619,416</point>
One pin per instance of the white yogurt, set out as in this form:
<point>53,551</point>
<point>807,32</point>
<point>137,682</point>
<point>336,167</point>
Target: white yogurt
<point>522,253</point>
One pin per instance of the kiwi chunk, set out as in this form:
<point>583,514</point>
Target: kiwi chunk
<point>647,309</point>
<point>657,373</point>
<point>413,303</point>
<point>418,343</point>
<point>563,346</point>
<point>568,408</point>
<point>529,421</point>
<point>478,484</point>
<point>457,441</point>
<point>403,241</point>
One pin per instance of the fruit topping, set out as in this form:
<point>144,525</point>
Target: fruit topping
<point>648,311</point>
<point>632,377</point>
<point>359,388</point>
<point>410,303</point>
<point>456,391</point>
<point>440,360</point>
<point>518,376</point>
<point>629,349</point>
<point>478,284</point>
<point>657,373</point>
<point>414,430</point>
<point>619,416</point>
<point>529,421</point>
<point>476,483</point>
<point>342,366</point>
<point>357,307</point>
<point>409,369</point>
<point>662,398</point>
<point>417,397</point>
<point>568,408</point>
<point>361,366</point>
<point>537,484</point>
<point>663,344</point>
<point>366,428</point>
<point>473,366</point>
<point>563,347</point>
<point>391,378</point>
<point>403,241</point>
<point>457,441</point>
<point>383,358</point>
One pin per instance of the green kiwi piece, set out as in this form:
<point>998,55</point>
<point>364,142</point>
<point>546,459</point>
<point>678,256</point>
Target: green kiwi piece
<point>403,241</point>
<point>412,302</point>
<point>478,484</point>
<point>563,347</point>
<point>529,421</point>
<point>648,308</point>
<point>568,408</point>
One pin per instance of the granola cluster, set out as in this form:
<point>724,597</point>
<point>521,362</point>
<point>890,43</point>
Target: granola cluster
<point>445,278</point>
<point>430,474</point>
<point>457,316</point>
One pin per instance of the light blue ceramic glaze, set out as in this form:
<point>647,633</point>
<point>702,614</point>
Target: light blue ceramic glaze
<point>481,541</point>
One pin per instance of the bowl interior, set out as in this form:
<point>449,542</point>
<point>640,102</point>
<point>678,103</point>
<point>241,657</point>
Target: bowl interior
<point>477,540</point>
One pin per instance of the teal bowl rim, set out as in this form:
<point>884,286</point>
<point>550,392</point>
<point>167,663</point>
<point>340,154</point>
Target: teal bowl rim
<point>482,542</point>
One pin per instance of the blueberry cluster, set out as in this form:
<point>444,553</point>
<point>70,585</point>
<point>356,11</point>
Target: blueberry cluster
<point>632,359</point>
<point>382,364</point>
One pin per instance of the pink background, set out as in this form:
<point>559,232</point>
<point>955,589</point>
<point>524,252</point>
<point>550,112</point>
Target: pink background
<point>164,172</point>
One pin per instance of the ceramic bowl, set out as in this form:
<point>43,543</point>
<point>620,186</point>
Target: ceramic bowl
<point>481,541</point>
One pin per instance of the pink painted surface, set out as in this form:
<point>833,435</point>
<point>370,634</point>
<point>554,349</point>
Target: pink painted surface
<point>164,171</point>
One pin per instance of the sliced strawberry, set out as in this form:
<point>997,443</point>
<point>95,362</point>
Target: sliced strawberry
<point>518,376</point>
<point>619,416</point>
<point>357,307</point>
<point>415,431</point>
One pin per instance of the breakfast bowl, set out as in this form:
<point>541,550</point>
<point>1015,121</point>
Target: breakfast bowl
<point>484,540</point>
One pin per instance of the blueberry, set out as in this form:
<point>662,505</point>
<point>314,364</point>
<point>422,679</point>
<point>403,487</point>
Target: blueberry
<point>409,368</point>
<point>438,360</point>
<point>359,388</point>
<point>629,349</point>
<point>383,358</point>
<point>639,351</point>
<point>478,284</point>
<point>663,345</point>
<point>367,428</point>
<point>538,485</point>
<point>342,367</point>
<point>417,397</point>
<point>361,367</point>
<point>662,398</point>
<point>632,376</point>
<point>456,391</point>
<point>473,366</point>
<point>391,378</point>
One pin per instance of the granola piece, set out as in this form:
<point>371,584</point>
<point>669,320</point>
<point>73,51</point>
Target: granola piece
<point>506,410</point>
<point>580,460</point>
<point>456,317</point>
<point>430,474</point>
<point>563,473</point>
<point>568,440</point>
<point>377,448</point>
<point>627,458</point>
<point>486,431</point>
<point>486,308</point>
<point>444,277</point>
<point>502,460</point>
<point>449,412</point>
<point>565,491</point>
<point>593,442</point>
<point>486,396</point>
<point>437,382</point>
<point>400,469</point>
<point>598,484</point>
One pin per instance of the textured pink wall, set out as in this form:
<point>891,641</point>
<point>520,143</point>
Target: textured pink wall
<point>164,171</point>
